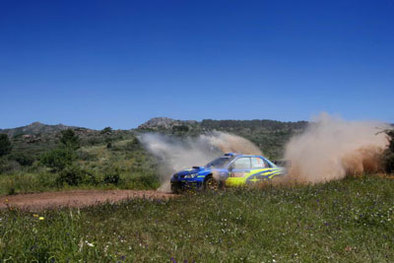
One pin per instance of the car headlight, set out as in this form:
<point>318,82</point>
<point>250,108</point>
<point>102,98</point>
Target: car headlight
<point>191,175</point>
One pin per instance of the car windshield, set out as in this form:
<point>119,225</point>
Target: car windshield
<point>219,162</point>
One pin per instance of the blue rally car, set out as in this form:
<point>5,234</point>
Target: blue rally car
<point>228,170</point>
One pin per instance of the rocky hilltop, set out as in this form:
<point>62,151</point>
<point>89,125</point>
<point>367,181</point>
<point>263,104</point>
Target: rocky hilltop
<point>164,123</point>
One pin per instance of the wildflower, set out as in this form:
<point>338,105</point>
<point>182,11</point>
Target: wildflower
<point>35,215</point>
<point>41,218</point>
<point>89,244</point>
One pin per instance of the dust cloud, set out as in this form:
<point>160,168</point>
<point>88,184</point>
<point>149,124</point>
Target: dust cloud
<point>332,148</point>
<point>329,149</point>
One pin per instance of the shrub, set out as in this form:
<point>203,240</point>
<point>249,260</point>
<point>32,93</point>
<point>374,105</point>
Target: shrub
<point>106,130</point>
<point>388,157</point>
<point>86,156</point>
<point>5,144</point>
<point>93,141</point>
<point>7,166</point>
<point>58,159</point>
<point>73,176</point>
<point>389,162</point>
<point>22,158</point>
<point>133,145</point>
<point>145,181</point>
<point>112,177</point>
<point>70,139</point>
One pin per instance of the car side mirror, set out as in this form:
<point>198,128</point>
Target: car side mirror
<point>230,169</point>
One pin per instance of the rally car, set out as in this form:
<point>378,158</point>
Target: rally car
<point>229,170</point>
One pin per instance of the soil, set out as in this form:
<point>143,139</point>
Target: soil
<point>77,198</point>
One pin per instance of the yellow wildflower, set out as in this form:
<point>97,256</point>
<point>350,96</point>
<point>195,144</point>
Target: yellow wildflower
<point>35,215</point>
<point>41,218</point>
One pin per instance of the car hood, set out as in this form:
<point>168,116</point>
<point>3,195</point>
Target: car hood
<point>195,169</point>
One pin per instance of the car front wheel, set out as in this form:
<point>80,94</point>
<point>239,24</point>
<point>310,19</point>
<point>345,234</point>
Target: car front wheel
<point>211,184</point>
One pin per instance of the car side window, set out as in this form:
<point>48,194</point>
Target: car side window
<point>242,163</point>
<point>267,165</point>
<point>258,163</point>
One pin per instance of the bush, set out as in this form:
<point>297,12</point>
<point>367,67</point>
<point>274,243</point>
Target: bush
<point>388,157</point>
<point>58,159</point>
<point>5,144</point>
<point>70,139</point>
<point>22,158</point>
<point>7,166</point>
<point>145,181</point>
<point>389,163</point>
<point>86,156</point>
<point>73,176</point>
<point>106,130</point>
<point>133,145</point>
<point>112,177</point>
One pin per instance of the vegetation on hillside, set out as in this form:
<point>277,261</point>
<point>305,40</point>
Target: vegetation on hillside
<point>108,158</point>
<point>77,158</point>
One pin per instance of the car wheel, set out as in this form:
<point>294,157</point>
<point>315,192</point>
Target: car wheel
<point>210,184</point>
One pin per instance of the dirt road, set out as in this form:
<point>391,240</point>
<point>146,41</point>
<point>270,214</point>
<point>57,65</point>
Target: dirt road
<point>77,198</point>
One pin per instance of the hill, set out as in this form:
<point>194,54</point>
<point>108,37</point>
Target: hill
<point>36,128</point>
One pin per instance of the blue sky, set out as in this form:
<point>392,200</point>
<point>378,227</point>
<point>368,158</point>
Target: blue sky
<point>119,63</point>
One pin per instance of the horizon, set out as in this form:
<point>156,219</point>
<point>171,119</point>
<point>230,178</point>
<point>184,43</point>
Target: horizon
<point>98,64</point>
<point>71,125</point>
<point>135,127</point>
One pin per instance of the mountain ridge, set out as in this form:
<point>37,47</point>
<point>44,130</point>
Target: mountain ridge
<point>156,123</point>
<point>36,128</point>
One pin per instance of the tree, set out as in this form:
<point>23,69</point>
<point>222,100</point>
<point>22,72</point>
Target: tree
<point>388,157</point>
<point>70,139</point>
<point>64,155</point>
<point>106,130</point>
<point>58,159</point>
<point>5,144</point>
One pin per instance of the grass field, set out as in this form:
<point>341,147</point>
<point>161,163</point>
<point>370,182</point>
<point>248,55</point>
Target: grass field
<point>342,221</point>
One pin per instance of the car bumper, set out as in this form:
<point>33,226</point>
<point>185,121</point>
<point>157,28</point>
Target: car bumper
<point>183,185</point>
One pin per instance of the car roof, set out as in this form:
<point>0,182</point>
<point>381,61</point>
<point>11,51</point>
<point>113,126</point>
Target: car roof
<point>240,155</point>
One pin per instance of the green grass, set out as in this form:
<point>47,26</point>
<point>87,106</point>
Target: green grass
<point>20,183</point>
<point>343,221</point>
<point>24,182</point>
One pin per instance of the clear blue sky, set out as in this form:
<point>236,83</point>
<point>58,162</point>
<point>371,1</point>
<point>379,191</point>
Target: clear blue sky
<point>119,63</point>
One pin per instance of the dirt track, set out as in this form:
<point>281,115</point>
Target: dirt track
<point>77,198</point>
